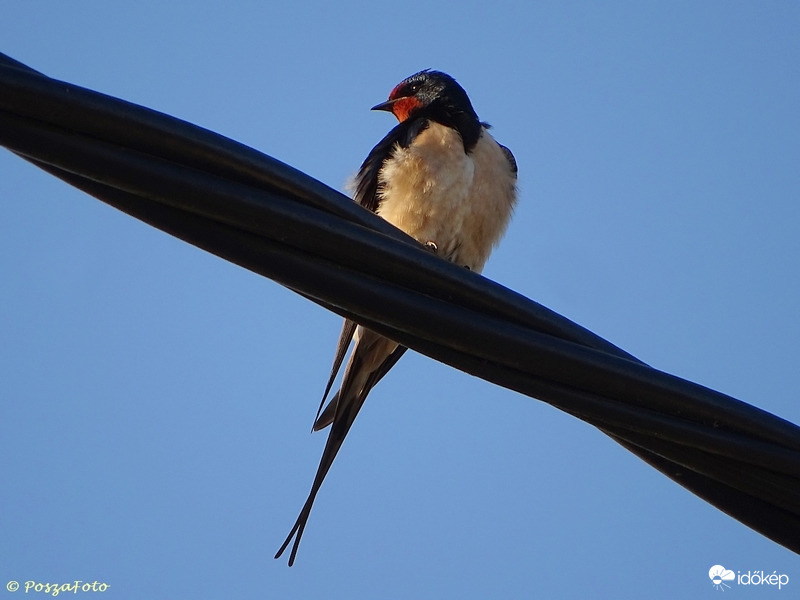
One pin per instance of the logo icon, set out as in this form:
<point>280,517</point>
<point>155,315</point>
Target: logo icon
<point>719,575</point>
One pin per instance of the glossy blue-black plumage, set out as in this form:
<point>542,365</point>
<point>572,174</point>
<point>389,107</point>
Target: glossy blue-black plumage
<point>402,135</point>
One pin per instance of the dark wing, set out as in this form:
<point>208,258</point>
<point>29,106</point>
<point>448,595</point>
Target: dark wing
<point>341,425</point>
<point>325,417</point>
<point>510,157</point>
<point>366,194</point>
<point>345,337</point>
<point>341,414</point>
<point>356,385</point>
<point>367,181</point>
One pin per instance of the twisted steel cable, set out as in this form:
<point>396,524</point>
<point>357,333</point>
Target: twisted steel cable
<point>265,216</point>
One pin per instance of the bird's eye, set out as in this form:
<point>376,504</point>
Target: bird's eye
<point>413,88</point>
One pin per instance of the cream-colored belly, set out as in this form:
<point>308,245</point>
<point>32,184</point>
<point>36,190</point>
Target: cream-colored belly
<point>437,193</point>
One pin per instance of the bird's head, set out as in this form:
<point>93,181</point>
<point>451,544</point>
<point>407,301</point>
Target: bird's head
<point>428,94</point>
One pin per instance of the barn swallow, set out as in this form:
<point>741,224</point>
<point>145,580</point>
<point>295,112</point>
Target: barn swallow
<point>441,177</point>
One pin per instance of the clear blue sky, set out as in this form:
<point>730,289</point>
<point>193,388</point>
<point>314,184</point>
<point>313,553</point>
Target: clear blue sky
<point>157,401</point>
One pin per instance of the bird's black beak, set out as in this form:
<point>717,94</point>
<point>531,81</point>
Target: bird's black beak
<point>387,106</point>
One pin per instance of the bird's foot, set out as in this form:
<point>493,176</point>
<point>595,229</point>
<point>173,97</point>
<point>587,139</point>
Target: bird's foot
<point>432,246</point>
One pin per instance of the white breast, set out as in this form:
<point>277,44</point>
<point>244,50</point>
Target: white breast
<point>437,193</point>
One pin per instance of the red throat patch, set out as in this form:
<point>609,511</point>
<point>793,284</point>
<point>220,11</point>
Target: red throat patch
<point>404,107</point>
